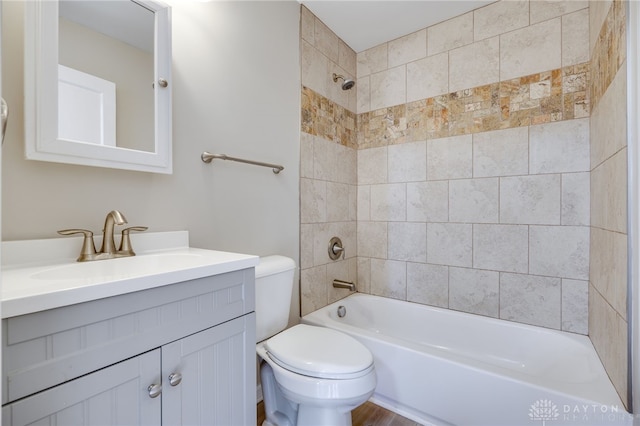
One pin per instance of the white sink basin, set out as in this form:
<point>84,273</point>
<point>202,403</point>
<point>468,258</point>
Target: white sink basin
<point>28,288</point>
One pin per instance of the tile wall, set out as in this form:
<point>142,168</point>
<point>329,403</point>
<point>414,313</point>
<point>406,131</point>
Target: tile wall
<point>328,164</point>
<point>473,164</point>
<point>608,164</point>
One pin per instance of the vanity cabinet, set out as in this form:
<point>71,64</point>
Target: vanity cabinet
<point>115,395</point>
<point>177,354</point>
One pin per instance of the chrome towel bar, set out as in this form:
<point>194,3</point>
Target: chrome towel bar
<point>207,157</point>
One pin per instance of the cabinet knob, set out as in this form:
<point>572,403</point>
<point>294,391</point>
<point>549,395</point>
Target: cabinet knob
<point>154,390</point>
<point>175,379</point>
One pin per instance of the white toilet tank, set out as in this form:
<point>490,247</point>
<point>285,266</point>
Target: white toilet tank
<point>274,288</point>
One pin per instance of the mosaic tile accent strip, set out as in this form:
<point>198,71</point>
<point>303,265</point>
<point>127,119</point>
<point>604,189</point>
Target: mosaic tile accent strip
<point>609,53</point>
<point>322,117</point>
<point>560,94</point>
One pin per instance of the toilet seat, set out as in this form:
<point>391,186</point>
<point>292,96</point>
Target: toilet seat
<point>319,352</point>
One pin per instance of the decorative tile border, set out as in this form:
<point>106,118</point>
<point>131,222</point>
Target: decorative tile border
<point>322,117</point>
<point>560,94</point>
<point>609,53</point>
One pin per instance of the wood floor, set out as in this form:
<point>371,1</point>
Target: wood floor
<point>368,414</point>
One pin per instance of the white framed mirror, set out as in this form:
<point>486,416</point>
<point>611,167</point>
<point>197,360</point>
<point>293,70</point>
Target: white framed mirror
<point>98,83</point>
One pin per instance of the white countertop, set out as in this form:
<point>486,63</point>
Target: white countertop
<point>52,279</point>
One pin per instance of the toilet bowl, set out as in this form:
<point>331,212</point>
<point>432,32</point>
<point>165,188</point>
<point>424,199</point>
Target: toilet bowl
<point>310,375</point>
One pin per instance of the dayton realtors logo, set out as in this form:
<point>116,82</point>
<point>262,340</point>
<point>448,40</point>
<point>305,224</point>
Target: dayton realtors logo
<point>543,410</point>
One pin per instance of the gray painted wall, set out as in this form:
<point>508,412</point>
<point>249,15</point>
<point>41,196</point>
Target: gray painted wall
<point>236,90</point>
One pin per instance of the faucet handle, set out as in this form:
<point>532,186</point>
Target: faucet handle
<point>88,247</point>
<point>125,242</point>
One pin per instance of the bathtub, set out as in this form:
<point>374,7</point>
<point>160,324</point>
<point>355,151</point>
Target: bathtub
<point>441,367</point>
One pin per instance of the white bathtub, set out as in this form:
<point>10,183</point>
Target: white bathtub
<point>441,367</point>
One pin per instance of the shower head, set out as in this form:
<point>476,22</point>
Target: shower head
<point>346,83</point>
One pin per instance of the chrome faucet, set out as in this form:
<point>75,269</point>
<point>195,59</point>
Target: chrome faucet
<point>114,217</point>
<point>108,249</point>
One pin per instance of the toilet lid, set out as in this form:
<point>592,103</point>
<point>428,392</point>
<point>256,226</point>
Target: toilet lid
<point>319,352</point>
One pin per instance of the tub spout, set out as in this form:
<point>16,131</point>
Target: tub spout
<point>344,284</point>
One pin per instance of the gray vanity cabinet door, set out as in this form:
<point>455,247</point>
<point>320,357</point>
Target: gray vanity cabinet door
<point>116,395</point>
<point>217,376</point>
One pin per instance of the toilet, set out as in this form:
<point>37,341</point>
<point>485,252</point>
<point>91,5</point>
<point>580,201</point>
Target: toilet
<point>310,375</point>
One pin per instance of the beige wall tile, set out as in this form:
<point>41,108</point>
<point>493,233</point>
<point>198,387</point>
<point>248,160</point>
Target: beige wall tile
<point>314,66</point>
<point>541,10</point>
<point>407,241</point>
<point>576,204</point>
<point>347,58</point>
<point>428,77</point>
<point>449,244</point>
<point>608,268</point>
<point>372,165</point>
<point>531,50</point>
<point>609,194</point>
<point>389,278</point>
<point>324,159</point>
<point>313,291</point>
<point>501,152</point>
<point>307,25</point>
<point>338,207</point>
<point>306,246</point>
<point>575,38</point>
<point>372,239</point>
<point>326,41</point>
<point>450,158</point>
<point>347,164</point>
<point>372,60</point>
<point>530,199</point>
<point>313,201</point>
<point>364,275</point>
<point>501,247</point>
<point>363,94</point>
<point>389,202</point>
<point>364,203</point>
<point>408,48</point>
<point>389,87</point>
<point>575,306</point>
<point>407,162</point>
<point>500,17</point>
<point>306,155</point>
<point>483,57</point>
<point>447,35</point>
<point>608,120</point>
<point>473,200</point>
<point>428,201</point>
<point>608,332</point>
<point>474,291</point>
<point>347,231</point>
<point>559,251</point>
<point>530,299</point>
<point>353,203</point>
<point>428,284</point>
<point>559,147</point>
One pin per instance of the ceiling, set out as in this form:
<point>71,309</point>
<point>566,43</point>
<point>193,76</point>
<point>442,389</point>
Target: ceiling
<point>363,24</point>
